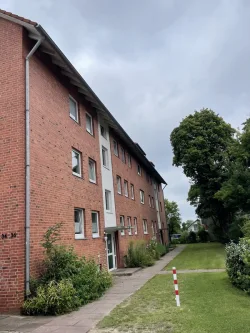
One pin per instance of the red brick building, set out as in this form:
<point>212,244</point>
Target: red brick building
<point>64,159</point>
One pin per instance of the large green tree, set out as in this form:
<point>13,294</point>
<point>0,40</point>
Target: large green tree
<point>201,145</point>
<point>173,216</point>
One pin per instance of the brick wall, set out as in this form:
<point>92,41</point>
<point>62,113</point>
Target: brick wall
<point>54,190</point>
<point>12,166</point>
<point>128,207</point>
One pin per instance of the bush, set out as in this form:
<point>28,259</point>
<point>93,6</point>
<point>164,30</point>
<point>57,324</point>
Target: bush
<point>192,237</point>
<point>161,249</point>
<point>52,299</point>
<point>76,278</point>
<point>203,235</point>
<point>138,255</point>
<point>238,264</point>
<point>184,237</point>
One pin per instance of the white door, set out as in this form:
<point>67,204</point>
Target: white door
<point>111,251</point>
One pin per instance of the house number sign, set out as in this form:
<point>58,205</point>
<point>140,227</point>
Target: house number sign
<point>9,235</point>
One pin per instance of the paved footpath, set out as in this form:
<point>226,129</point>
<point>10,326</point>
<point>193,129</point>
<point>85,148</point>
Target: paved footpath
<point>184,271</point>
<point>88,316</point>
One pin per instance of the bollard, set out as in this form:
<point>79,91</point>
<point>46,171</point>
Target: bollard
<point>177,296</point>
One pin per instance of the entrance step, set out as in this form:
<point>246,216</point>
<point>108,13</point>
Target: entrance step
<point>125,271</point>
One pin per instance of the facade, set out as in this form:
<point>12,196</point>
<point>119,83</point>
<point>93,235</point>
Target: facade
<point>64,159</point>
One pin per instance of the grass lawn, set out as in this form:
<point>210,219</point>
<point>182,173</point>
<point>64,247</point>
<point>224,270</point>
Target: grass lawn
<point>198,256</point>
<point>209,304</point>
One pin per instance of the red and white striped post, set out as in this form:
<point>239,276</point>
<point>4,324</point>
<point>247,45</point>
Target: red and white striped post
<point>177,296</point>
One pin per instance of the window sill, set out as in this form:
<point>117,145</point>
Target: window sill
<point>77,237</point>
<point>122,234</point>
<point>126,196</point>
<point>105,167</point>
<point>76,121</point>
<point>92,134</point>
<point>95,237</point>
<point>92,181</point>
<point>145,233</point>
<point>76,175</point>
<point>130,234</point>
<point>119,193</point>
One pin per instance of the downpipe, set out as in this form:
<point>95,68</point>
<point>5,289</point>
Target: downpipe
<point>27,167</point>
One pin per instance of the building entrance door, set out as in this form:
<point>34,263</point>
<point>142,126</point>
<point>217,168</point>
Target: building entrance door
<point>111,251</point>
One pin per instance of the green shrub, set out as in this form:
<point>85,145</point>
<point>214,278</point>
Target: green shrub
<point>52,299</point>
<point>203,235</point>
<point>138,255</point>
<point>192,237</point>
<point>73,276</point>
<point>238,264</point>
<point>184,237</point>
<point>161,249</point>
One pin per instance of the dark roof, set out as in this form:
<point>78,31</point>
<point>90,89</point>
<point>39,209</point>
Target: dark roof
<point>49,47</point>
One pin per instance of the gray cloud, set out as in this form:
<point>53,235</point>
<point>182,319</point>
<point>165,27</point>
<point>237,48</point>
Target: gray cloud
<point>154,62</point>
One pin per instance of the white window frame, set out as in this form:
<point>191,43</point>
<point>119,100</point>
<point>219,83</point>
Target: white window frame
<point>135,225</point>
<point>77,111</point>
<point>95,234</point>
<point>109,201</point>
<point>139,169</point>
<point>105,157</point>
<point>149,201</point>
<point>116,149</point>
<point>132,190</point>
<point>122,223</point>
<point>126,188</point>
<point>142,197</point>
<point>129,225</point>
<point>80,163</point>
<point>119,184</point>
<point>145,226</point>
<point>80,235</point>
<point>94,162</point>
<point>153,229</point>
<point>91,131</point>
<point>123,155</point>
<point>129,161</point>
<point>104,134</point>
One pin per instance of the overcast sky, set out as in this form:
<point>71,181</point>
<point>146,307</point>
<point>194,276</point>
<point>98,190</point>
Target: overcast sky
<point>153,62</point>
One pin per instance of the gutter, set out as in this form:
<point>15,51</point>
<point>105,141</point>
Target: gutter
<point>27,167</point>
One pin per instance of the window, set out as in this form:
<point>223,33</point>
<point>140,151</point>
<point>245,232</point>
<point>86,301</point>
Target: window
<point>129,225</point>
<point>89,124</point>
<point>145,227</point>
<point>92,171</point>
<point>95,224</point>
<point>135,225</point>
<point>149,200</point>
<point>139,169</point>
<point>132,189</point>
<point>123,155</point>
<point>153,203</point>
<point>129,161</point>
<point>119,184</point>
<point>73,109</point>
<point>160,207</point>
<point>116,151</point>
<point>76,163</point>
<point>126,188</point>
<point>108,200</point>
<point>105,157</point>
<point>122,225</point>
<point>153,228</point>
<point>103,132</point>
<point>142,196</point>
<point>79,223</point>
